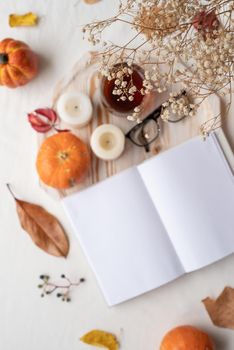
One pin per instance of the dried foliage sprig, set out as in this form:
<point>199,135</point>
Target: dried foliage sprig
<point>189,43</point>
<point>63,290</point>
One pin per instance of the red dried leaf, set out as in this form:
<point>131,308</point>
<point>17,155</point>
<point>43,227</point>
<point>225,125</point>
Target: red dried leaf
<point>48,113</point>
<point>62,130</point>
<point>206,22</point>
<point>42,119</point>
<point>38,124</point>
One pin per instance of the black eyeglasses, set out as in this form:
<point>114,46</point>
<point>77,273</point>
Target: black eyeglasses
<point>143,134</point>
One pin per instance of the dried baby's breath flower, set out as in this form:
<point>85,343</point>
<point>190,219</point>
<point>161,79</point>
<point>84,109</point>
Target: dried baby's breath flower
<point>189,43</point>
<point>177,107</point>
<point>122,75</point>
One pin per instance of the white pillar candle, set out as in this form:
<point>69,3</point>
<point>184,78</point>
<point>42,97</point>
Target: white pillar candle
<point>107,142</point>
<point>75,108</point>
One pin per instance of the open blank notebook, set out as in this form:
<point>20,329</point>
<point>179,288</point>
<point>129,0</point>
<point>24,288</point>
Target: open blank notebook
<point>152,223</point>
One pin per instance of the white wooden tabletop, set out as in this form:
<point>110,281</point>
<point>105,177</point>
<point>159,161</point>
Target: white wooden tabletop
<point>27,321</point>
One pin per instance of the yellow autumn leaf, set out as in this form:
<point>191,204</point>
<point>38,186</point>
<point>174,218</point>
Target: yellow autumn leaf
<point>101,339</point>
<point>26,20</point>
<point>91,2</point>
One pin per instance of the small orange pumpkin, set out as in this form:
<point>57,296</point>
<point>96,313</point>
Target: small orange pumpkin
<point>63,160</point>
<point>18,63</point>
<point>186,338</point>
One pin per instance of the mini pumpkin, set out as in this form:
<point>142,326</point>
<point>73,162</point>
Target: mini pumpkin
<point>186,338</point>
<point>18,63</point>
<point>63,160</point>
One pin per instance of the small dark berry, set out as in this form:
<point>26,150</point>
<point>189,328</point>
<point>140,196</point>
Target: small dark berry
<point>40,286</point>
<point>63,276</point>
<point>63,299</point>
<point>59,295</point>
<point>68,300</point>
<point>82,280</point>
<point>42,277</point>
<point>47,292</point>
<point>42,295</point>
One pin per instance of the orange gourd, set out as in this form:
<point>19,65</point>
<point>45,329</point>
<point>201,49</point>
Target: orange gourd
<point>18,63</point>
<point>186,338</point>
<point>63,160</point>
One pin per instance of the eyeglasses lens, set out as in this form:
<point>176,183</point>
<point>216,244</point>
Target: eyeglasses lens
<point>146,132</point>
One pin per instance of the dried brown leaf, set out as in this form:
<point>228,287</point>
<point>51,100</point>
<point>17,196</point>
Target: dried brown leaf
<point>221,310</point>
<point>91,2</point>
<point>43,228</point>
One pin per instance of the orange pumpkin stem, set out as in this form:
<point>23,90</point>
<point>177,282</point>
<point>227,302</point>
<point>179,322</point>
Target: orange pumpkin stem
<point>63,155</point>
<point>3,58</point>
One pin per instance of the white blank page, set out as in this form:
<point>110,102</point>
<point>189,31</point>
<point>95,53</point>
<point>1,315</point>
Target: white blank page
<point>123,237</point>
<point>192,188</point>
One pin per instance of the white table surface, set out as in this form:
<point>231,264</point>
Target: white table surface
<point>28,322</point>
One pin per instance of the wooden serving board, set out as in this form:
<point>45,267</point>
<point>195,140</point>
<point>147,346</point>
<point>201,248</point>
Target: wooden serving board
<point>84,77</point>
